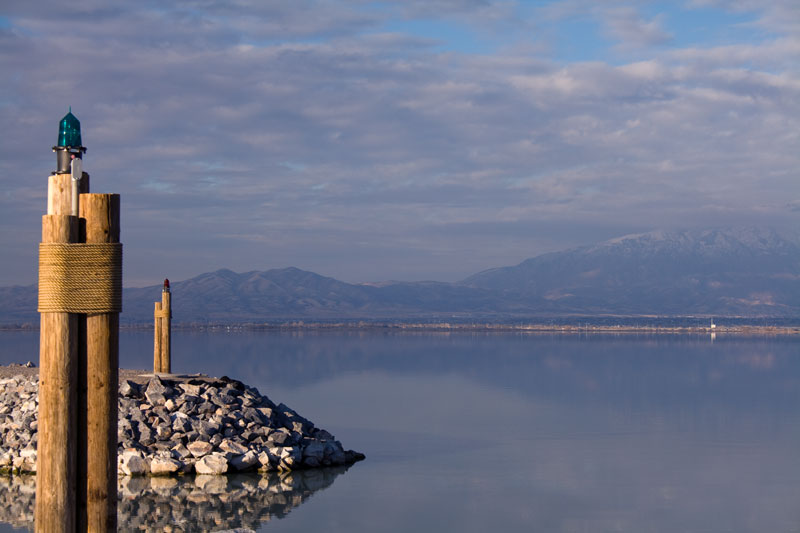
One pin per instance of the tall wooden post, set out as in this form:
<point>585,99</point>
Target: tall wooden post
<point>58,372</point>
<point>101,213</point>
<point>80,296</point>
<point>162,341</point>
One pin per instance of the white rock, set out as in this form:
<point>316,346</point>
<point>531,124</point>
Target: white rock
<point>232,447</point>
<point>181,452</point>
<point>28,457</point>
<point>194,390</point>
<point>267,461</point>
<point>164,466</point>
<point>211,464</point>
<point>133,465</point>
<point>199,448</point>
<point>6,458</point>
<point>277,451</point>
<point>245,462</point>
<point>290,458</point>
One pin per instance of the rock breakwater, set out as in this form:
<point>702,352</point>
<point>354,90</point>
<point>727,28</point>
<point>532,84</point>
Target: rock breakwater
<point>181,425</point>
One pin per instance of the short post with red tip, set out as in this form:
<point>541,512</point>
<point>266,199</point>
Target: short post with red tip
<point>162,338</point>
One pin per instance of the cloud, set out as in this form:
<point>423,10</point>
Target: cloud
<point>631,30</point>
<point>777,15</point>
<point>334,145</point>
<point>773,55</point>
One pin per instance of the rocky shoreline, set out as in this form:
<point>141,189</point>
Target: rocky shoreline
<point>171,425</point>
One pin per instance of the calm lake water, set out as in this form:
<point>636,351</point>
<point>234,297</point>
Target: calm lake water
<point>501,432</point>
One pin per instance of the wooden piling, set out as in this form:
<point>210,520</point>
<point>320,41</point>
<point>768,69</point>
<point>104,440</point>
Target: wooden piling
<point>157,338</point>
<point>101,213</point>
<point>166,331</point>
<point>162,336</point>
<point>59,193</point>
<point>58,347</point>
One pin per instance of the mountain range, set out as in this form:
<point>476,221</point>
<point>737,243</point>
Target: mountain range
<point>753,272</point>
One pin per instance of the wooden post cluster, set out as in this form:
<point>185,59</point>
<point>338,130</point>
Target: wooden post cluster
<point>76,487</point>
<point>162,337</point>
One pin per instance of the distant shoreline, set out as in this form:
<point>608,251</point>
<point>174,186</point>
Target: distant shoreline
<point>512,328</point>
<point>433,327</point>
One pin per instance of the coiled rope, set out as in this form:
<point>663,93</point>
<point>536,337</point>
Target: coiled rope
<point>80,278</point>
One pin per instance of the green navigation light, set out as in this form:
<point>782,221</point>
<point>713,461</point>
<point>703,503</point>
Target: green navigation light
<point>69,131</point>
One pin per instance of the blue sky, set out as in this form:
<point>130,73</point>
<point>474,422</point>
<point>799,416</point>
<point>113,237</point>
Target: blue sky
<point>399,140</point>
<point>584,35</point>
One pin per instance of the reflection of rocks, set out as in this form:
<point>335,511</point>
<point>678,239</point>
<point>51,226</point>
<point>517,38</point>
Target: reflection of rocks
<point>212,503</point>
<point>199,503</point>
<point>17,496</point>
<point>176,426</point>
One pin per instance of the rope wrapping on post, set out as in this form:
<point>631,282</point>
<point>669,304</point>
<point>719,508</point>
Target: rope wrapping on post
<point>80,278</point>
